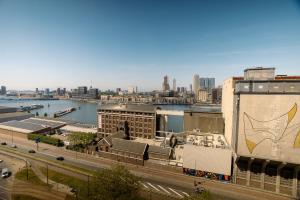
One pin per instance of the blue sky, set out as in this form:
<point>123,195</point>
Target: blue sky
<point>66,43</point>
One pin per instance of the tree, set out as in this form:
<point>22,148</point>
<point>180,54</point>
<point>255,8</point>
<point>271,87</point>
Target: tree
<point>115,184</point>
<point>45,114</point>
<point>37,114</point>
<point>79,138</point>
<point>205,195</point>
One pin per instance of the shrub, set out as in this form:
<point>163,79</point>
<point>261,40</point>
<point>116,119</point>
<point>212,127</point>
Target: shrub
<point>46,139</point>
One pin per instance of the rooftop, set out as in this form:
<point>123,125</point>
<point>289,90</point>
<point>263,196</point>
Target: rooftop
<point>45,123</point>
<point>128,146</point>
<point>13,114</point>
<point>128,107</point>
<point>23,127</point>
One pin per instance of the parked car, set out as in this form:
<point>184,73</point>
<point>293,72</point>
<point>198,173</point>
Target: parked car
<point>60,158</point>
<point>31,151</point>
<point>13,146</point>
<point>1,161</point>
<point>3,143</point>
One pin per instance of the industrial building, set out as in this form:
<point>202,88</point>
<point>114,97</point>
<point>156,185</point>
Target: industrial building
<point>10,113</point>
<point>262,124</point>
<point>136,120</point>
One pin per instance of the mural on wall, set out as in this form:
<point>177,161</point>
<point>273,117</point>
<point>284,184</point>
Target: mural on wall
<point>274,130</point>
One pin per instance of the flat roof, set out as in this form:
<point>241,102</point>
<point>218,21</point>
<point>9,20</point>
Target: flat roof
<point>128,107</point>
<point>45,123</point>
<point>259,68</point>
<point>14,114</point>
<point>19,126</point>
<point>205,109</point>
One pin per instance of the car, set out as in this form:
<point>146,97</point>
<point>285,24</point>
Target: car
<point>31,151</point>
<point>60,158</point>
<point>13,146</point>
<point>3,143</point>
<point>1,161</point>
<point>5,173</point>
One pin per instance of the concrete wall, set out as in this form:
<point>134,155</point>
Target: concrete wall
<point>206,122</point>
<point>228,110</point>
<point>269,127</point>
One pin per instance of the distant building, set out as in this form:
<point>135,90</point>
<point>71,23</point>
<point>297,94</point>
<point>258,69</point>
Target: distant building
<point>196,85</point>
<point>132,89</point>
<point>83,93</point>
<point>3,90</point>
<point>216,95</point>
<point>47,92</point>
<point>174,85</point>
<point>202,95</point>
<point>165,85</point>
<point>118,90</point>
<point>207,83</point>
<point>58,92</point>
<point>36,90</point>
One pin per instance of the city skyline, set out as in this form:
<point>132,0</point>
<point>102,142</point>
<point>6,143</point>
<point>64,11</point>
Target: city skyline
<point>51,44</point>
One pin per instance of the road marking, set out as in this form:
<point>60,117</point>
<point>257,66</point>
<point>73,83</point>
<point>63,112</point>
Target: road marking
<point>153,186</point>
<point>144,185</point>
<point>176,192</point>
<point>163,189</point>
<point>185,193</point>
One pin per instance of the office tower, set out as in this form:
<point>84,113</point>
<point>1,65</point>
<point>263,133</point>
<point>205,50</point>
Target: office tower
<point>36,90</point>
<point>58,91</point>
<point>3,90</point>
<point>47,92</point>
<point>174,85</point>
<point>196,85</point>
<point>118,90</point>
<point>207,83</point>
<point>165,85</point>
<point>131,89</point>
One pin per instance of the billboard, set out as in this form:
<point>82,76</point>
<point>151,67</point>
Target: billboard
<point>269,127</point>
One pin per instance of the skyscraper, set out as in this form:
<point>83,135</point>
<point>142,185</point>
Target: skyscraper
<point>207,83</point>
<point>165,85</point>
<point>3,90</point>
<point>196,85</point>
<point>174,85</point>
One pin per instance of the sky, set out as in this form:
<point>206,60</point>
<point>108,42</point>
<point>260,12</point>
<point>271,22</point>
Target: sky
<point>121,43</point>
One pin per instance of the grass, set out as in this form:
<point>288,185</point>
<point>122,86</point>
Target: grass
<point>32,177</point>
<point>79,185</point>
<point>22,197</point>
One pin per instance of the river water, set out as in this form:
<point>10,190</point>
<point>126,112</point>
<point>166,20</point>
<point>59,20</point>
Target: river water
<point>85,112</point>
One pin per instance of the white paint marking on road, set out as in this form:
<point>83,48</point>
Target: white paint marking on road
<point>153,186</point>
<point>144,185</point>
<point>163,189</point>
<point>176,192</point>
<point>186,194</point>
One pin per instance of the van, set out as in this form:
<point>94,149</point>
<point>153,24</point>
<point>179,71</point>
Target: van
<point>5,173</point>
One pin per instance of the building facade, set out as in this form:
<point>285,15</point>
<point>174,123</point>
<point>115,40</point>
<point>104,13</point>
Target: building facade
<point>196,85</point>
<point>166,85</point>
<point>263,128</point>
<point>138,120</point>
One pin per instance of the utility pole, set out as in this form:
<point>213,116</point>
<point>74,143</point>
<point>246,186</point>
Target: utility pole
<point>88,186</point>
<point>27,169</point>
<point>47,174</point>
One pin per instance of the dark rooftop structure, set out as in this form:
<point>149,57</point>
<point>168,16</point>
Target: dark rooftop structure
<point>128,146</point>
<point>23,127</point>
<point>4,109</point>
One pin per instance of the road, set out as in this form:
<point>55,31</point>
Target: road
<point>157,177</point>
<point>13,165</point>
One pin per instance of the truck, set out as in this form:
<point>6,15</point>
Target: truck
<point>5,173</point>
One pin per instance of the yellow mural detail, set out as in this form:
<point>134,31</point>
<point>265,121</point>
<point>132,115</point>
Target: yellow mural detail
<point>292,113</point>
<point>297,140</point>
<point>251,145</point>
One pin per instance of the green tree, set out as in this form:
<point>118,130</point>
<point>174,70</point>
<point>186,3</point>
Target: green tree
<point>45,114</point>
<point>79,138</point>
<point>205,195</point>
<point>115,184</point>
<point>37,114</point>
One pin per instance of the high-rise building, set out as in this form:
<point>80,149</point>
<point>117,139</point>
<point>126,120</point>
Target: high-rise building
<point>207,83</point>
<point>37,90</point>
<point>132,89</point>
<point>47,92</point>
<point>196,85</point>
<point>58,92</point>
<point>3,90</point>
<point>118,90</point>
<point>174,85</point>
<point>165,85</point>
